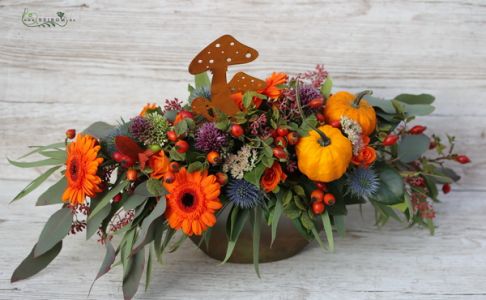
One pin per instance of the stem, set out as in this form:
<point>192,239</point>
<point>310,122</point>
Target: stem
<point>325,141</point>
<point>360,96</point>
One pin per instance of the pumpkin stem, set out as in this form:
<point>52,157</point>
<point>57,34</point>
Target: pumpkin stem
<point>360,96</point>
<point>324,140</point>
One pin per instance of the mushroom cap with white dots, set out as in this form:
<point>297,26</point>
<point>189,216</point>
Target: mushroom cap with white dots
<point>223,52</point>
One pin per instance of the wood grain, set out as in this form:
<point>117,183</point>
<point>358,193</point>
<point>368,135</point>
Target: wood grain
<point>118,56</point>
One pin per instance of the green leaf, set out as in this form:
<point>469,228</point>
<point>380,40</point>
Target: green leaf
<point>59,155</point>
<point>277,213</point>
<point>391,188</point>
<point>132,278</point>
<point>340,226</point>
<point>247,99</point>
<point>42,148</point>
<point>107,198</point>
<point>144,229</point>
<point>317,237</point>
<point>326,221</point>
<point>238,219</point>
<point>412,146</point>
<point>385,105</point>
<point>108,260</point>
<point>56,228</point>
<point>181,127</point>
<point>148,272</point>
<point>99,129</point>
<point>413,110</point>
<point>256,238</point>
<point>254,175</point>
<point>326,87</point>
<point>94,223</point>
<point>155,188</point>
<point>35,183</point>
<point>53,195</point>
<point>32,265</point>
<point>195,166</point>
<point>202,80</point>
<point>134,201</point>
<point>415,99</point>
<point>35,164</point>
<point>307,221</point>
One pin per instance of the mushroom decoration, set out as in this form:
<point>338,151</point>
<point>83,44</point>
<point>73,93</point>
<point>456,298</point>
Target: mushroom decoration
<point>216,57</point>
<point>243,82</point>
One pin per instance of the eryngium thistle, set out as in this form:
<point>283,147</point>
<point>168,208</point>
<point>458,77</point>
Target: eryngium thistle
<point>200,92</point>
<point>159,126</point>
<point>307,93</point>
<point>243,194</point>
<point>108,142</point>
<point>363,182</point>
<point>209,138</point>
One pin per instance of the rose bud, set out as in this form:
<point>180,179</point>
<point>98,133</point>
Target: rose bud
<point>70,133</point>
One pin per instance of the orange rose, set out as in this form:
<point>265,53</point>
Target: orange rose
<point>365,139</point>
<point>159,163</point>
<point>148,108</point>
<point>365,157</point>
<point>272,177</point>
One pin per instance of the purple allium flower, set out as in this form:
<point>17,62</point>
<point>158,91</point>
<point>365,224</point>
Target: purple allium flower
<point>307,93</point>
<point>140,128</point>
<point>209,138</point>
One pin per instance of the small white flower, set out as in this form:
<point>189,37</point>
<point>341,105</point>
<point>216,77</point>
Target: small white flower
<point>243,161</point>
<point>353,131</point>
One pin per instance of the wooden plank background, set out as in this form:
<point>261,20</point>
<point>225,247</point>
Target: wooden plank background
<point>119,55</point>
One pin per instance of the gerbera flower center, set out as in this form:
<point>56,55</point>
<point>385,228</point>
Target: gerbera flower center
<point>187,200</point>
<point>74,169</point>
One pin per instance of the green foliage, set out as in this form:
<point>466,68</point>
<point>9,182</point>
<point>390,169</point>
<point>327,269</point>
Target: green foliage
<point>391,186</point>
<point>35,183</point>
<point>234,225</point>
<point>326,87</point>
<point>412,146</point>
<point>32,264</point>
<point>56,228</point>
<point>99,130</point>
<point>53,195</point>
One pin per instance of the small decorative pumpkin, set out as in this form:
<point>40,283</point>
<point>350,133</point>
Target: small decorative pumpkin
<point>353,107</point>
<point>324,155</point>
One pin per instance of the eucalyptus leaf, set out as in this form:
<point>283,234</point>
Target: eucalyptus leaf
<point>340,226</point>
<point>107,198</point>
<point>202,80</point>
<point>155,187</point>
<point>132,278</point>
<point>32,265</point>
<point>35,164</point>
<point>53,195</point>
<point>35,183</point>
<point>326,221</point>
<point>59,155</point>
<point>56,228</point>
<point>277,213</point>
<point>99,129</point>
<point>415,99</point>
<point>94,223</point>
<point>326,87</point>
<point>134,201</point>
<point>42,148</point>
<point>412,146</point>
<point>144,229</point>
<point>256,238</point>
<point>391,188</point>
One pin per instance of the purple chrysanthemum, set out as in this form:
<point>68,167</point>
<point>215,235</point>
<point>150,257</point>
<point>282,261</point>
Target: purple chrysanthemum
<point>209,138</point>
<point>307,93</point>
<point>140,128</point>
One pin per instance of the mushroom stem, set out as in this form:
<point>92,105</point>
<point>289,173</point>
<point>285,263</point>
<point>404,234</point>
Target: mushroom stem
<point>220,92</point>
<point>360,96</point>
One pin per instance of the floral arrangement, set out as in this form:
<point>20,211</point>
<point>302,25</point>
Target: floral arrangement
<point>261,149</point>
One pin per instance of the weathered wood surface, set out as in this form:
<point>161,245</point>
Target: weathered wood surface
<point>119,55</point>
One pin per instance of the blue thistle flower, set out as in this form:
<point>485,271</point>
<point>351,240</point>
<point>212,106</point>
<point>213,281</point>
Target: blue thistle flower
<point>243,194</point>
<point>108,142</point>
<point>203,92</point>
<point>363,182</point>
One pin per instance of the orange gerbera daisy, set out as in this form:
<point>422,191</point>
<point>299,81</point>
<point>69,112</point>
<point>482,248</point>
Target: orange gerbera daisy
<point>192,201</point>
<point>149,107</point>
<point>272,90</point>
<point>81,166</point>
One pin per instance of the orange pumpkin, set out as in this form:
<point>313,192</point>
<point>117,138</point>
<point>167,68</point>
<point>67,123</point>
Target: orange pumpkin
<point>353,107</point>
